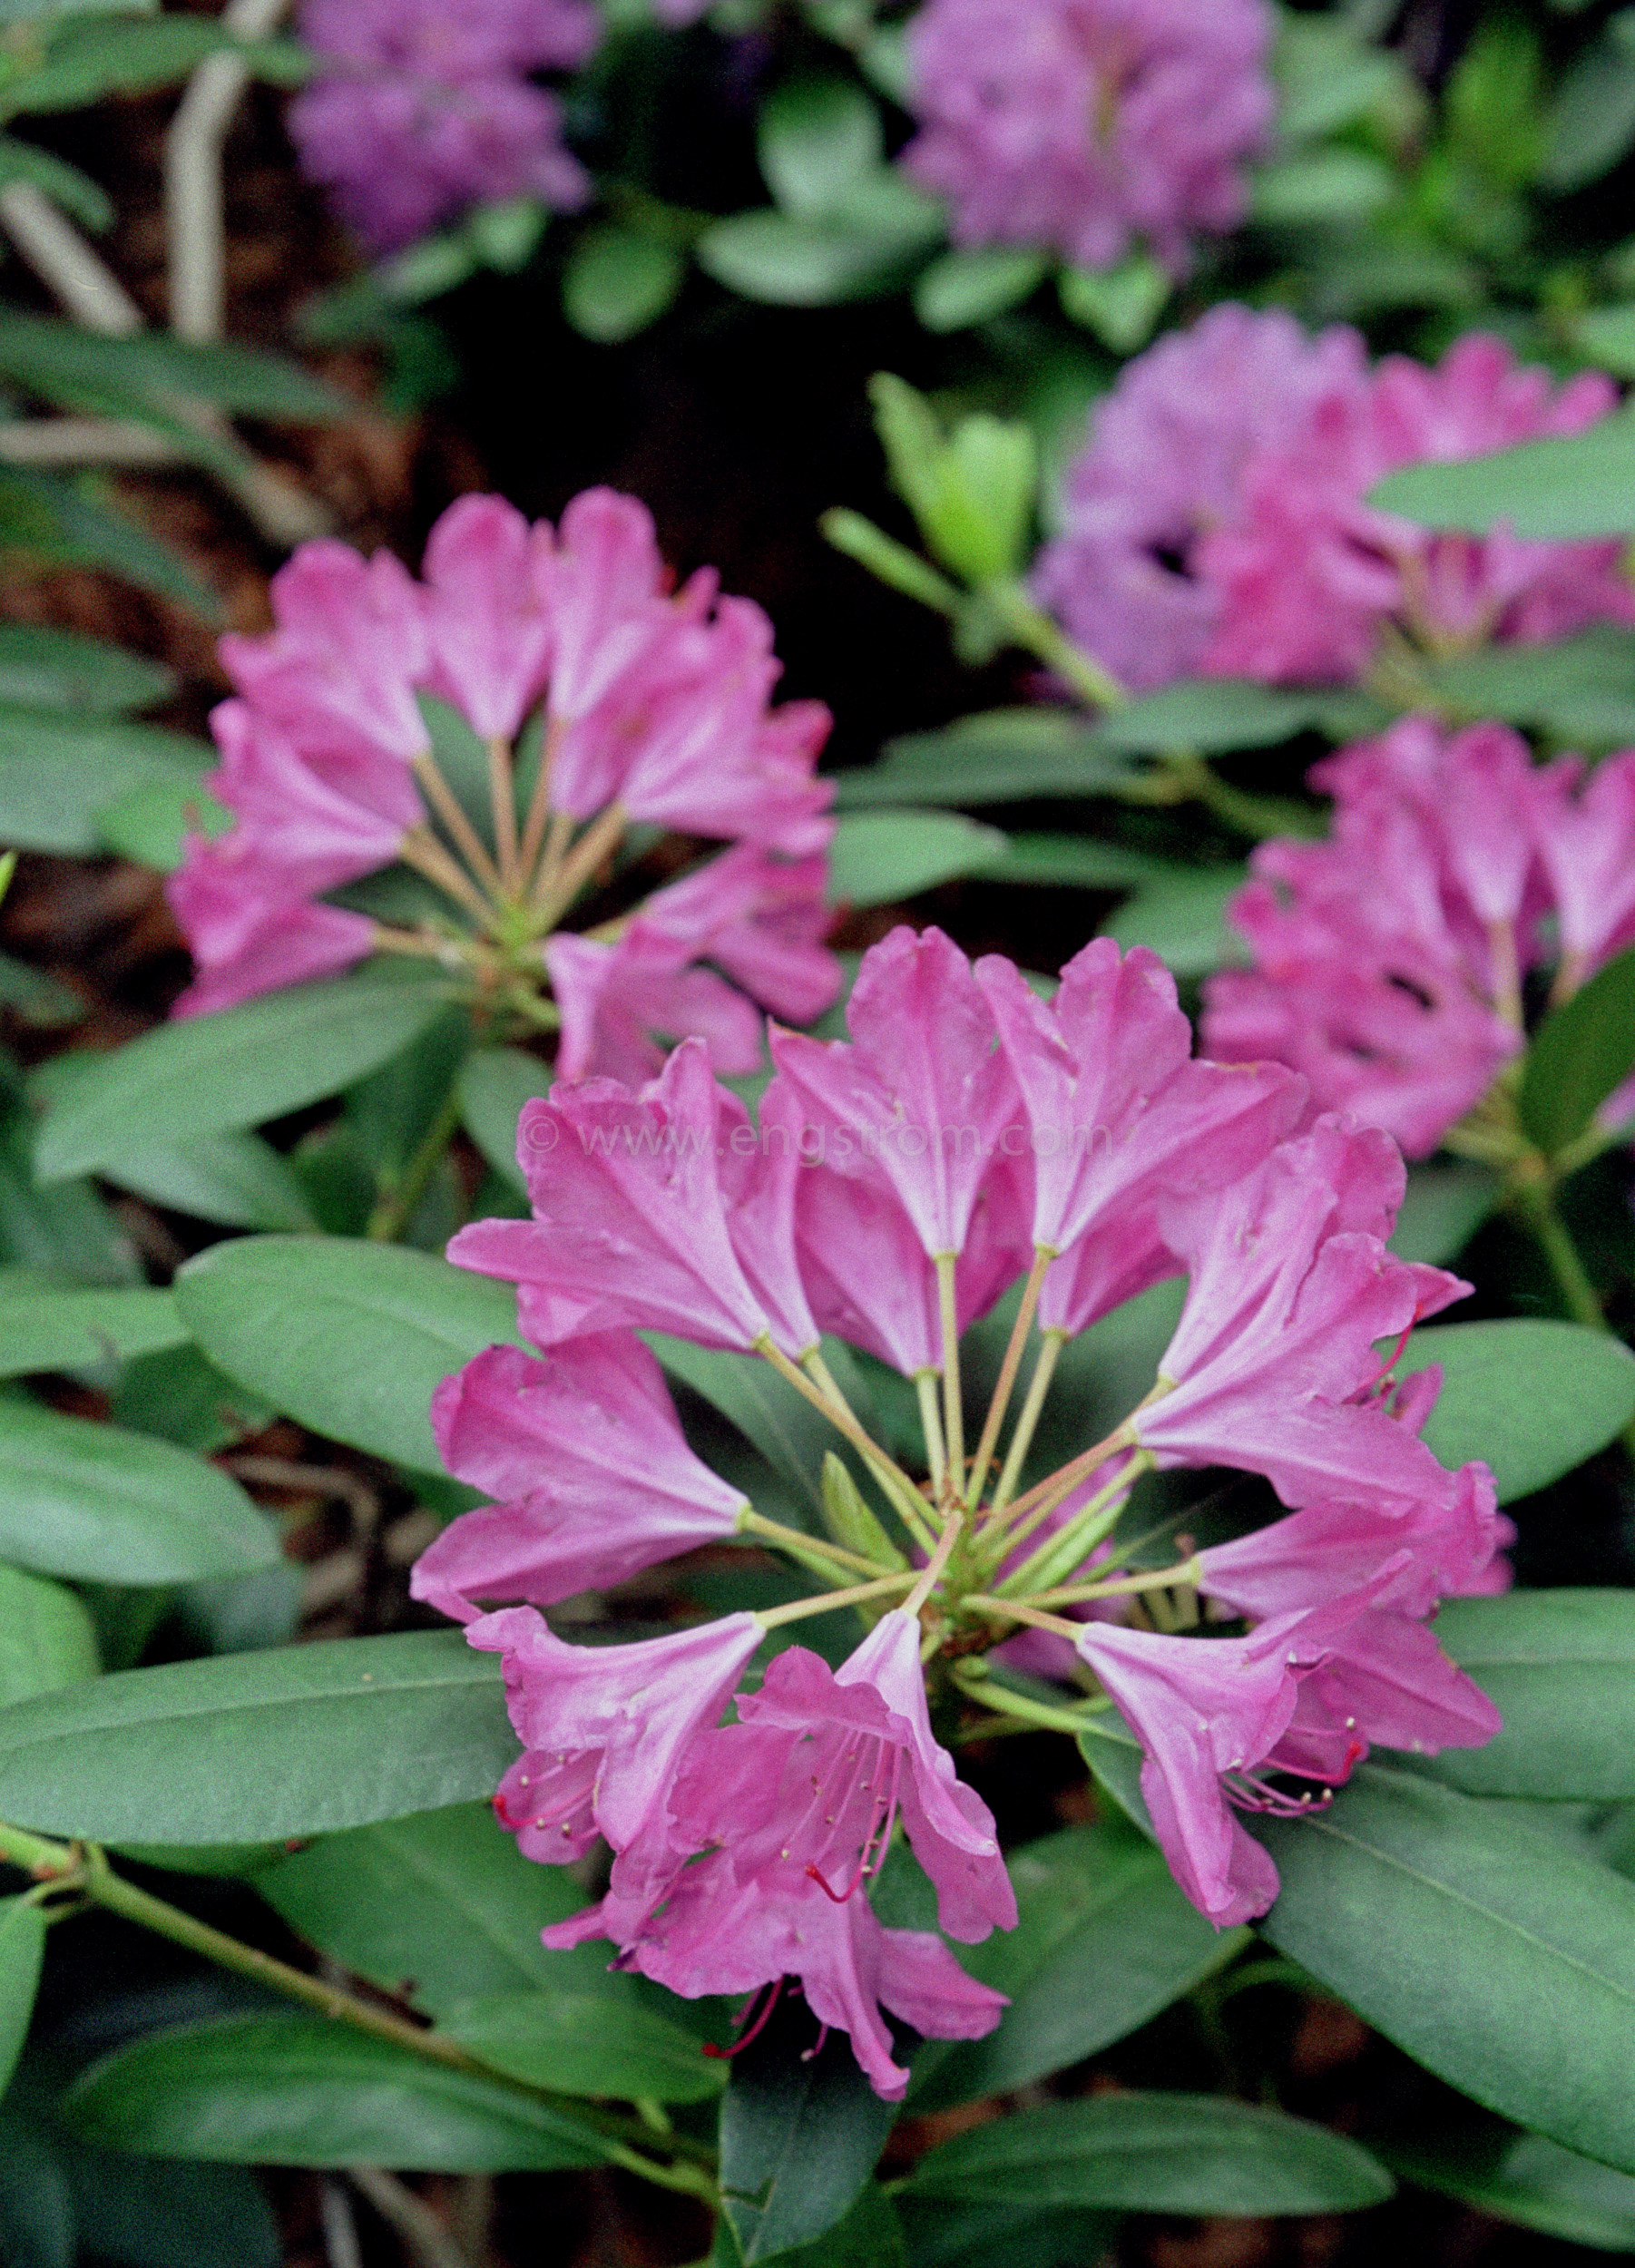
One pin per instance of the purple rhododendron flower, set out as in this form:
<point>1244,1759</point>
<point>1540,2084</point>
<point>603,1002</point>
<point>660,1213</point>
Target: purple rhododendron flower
<point>649,705</point>
<point>423,109</point>
<point>1216,524</point>
<point>1389,961</point>
<point>1080,125</point>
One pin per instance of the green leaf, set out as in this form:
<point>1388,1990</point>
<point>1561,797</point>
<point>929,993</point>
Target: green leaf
<point>800,2132</point>
<point>1520,2177</point>
<point>576,2044</point>
<point>1155,2154</point>
<point>616,282</point>
<point>46,1639</point>
<point>1442,1210</point>
<point>1104,1940</point>
<point>879,857</point>
<point>235,1180</point>
<point>1080,862</point>
<point>67,1330</point>
<point>299,1740</point>
<point>214,1074</point>
<point>1583,688</point>
<point>146,2212</point>
<point>1606,336</point>
<point>817,135</point>
<point>947,2233</point>
<point>103,1506</point>
<point>1500,1960</point>
<point>299,2091</point>
<point>86,61</point>
<point>1211,715</point>
<point>1003,755</point>
<point>1560,1666</point>
<point>350,1338</point>
<point>1565,487</point>
<point>889,561</point>
<point>35,998</point>
<point>1531,1399</point>
<point>788,262</point>
<point>1327,76</point>
<point>1581,1053</point>
<point>1492,102</point>
<point>1184,921</point>
<point>493,1087</point>
<point>66,1230</point>
<point>183,1398</point>
<point>1119,305</point>
<point>60,669</point>
<point>870,2236</point>
<point>439,1908</point>
<point>1321,189</point>
<point>1592,123</point>
<point>58,773</point>
<point>965,286</point>
<point>971,490</point>
<point>36,2204</point>
<point>150,824</point>
<point>22,1951</point>
<point>67,520</point>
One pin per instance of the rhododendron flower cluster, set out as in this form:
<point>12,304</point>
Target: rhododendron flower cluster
<point>553,676</point>
<point>1216,524</point>
<point>422,110</point>
<point>1078,125</point>
<point>1389,961</point>
<point>966,1138</point>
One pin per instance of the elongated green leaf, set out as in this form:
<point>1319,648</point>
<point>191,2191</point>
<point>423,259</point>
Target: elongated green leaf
<point>958,2233</point>
<point>1157,2154</point>
<point>65,184</point>
<point>1522,2177</point>
<point>790,260</point>
<point>349,1337</point>
<point>35,998</point>
<point>1560,1666</point>
<point>299,2091</point>
<point>102,1505</point>
<point>65,1330</point>
<point>1211,715</point>
<point>37,2204</point>
<point>870,2236</point>
<point>1531,1399</point>
<point>54,518</point>
<point>58,771</point>
<point>67,1231</point>
<point>800,2132</point>
<point>440,1907</point>
<point>151,823</point>
<point>46,1640</point>
<point>151,2213</point>
<point>1592,123</point>
<point>214,1074</point>
<point>256,1747</point>
<point>1489,1950</point>
<point>578,2044</point>
<point>877,857</point>
<point>1003,755</point>
<point>1570,486</point>
<point>22,1951</point>
<point>1079,861</point>
<point>1119,305</point>
<point>1579,1055</point>
<point>1104,1940</point>
<point>86,61</point>
<point>1583,688</point>
<point>235,1180</point>
<point>60,669</point>
<point>1184,921</point>
<point>493,1087</point>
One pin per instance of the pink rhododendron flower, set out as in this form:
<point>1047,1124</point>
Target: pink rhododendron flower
<point>425,110</point>
<point>1215,523</point>
<point>1164,465</point>
<point>1080,125</point>
<point>921,1165</point>
<point>1389,959</point>
<point>648,705</point>
<point>594,1481</point>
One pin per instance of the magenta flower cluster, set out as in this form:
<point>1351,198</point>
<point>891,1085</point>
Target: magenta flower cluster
<point>642,705</point>
<point>422,109</point>
<point>1084,125</point>
<point>1216,524</point>
<point>894,1186</point>
<point>1389,961</point>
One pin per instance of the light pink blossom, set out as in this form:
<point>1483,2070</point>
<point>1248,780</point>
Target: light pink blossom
<point>1078,125</point>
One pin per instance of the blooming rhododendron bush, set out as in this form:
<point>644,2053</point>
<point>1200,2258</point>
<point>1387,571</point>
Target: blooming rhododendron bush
<point>816,1262</point>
